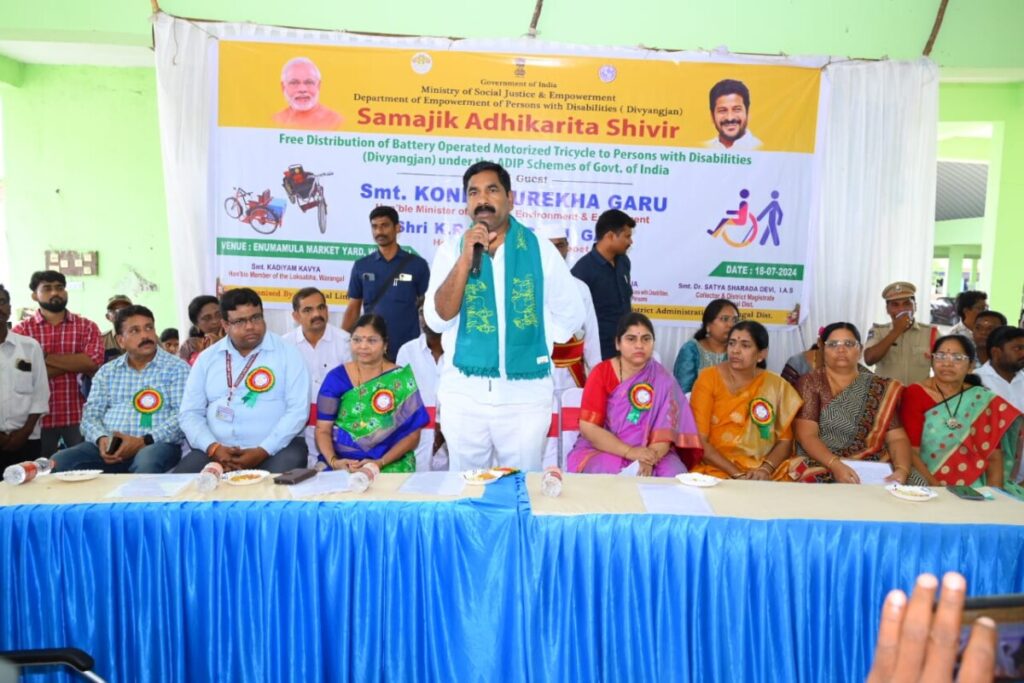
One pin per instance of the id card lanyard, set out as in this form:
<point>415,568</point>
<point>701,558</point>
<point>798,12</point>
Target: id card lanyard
<point>227,371</point>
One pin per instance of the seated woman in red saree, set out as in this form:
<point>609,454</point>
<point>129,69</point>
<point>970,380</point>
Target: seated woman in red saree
<point>961,432</point>
<point>633,410</point>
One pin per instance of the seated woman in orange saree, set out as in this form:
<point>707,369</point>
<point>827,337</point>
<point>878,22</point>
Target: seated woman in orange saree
<point>745,413</point>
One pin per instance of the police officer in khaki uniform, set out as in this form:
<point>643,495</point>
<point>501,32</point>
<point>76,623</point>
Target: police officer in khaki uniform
<point>900,349</point>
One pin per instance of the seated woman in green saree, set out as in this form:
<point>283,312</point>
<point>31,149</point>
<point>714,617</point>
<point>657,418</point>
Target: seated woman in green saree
<point>961,432</point>
<point>369,410</point>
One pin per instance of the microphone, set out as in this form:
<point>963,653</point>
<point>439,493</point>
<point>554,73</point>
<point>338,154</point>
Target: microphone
<point>478,254</point>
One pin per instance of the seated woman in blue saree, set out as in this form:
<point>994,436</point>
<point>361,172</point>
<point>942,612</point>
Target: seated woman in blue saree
<point>369,410</point>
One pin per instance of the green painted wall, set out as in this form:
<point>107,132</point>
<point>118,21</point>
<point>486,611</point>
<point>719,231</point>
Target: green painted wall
<point>82,154</point>
<point>960,231</point>
<point>1002,246</point>
<point>965,149</point>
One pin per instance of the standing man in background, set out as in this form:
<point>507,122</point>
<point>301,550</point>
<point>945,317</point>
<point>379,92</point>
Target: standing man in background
<point>110,347</point>
<point>900,349</point>
<point>72,345</point>
<point>606,271</point>
<point>24,391</point>
<point>388,282</point>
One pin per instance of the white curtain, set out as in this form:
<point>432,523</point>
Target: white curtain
<point>875,210</point>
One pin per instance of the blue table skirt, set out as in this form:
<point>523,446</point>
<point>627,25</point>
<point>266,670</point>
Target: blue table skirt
<point>474,590</point>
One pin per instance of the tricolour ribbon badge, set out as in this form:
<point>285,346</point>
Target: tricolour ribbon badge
<point>147,402</point>
<point>763,414</point>
<point>260,381</point>
<point>641,398</point>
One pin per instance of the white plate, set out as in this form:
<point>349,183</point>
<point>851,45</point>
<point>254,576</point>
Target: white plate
<point>481,477</point>
<point>698,479</point>
<point>78,475</point>
<point>916,494</point>
<point>246,477</point>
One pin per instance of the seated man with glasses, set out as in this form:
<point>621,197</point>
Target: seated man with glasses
<point>849,413</point>
<point>247,398</point>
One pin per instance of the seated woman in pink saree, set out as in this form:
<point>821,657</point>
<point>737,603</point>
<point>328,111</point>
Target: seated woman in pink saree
<point>634,411</point>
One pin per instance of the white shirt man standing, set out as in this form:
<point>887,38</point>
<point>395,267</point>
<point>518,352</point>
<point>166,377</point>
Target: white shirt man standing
<point>24,391</point>
<point>322,347</point>
<point>498,327</point>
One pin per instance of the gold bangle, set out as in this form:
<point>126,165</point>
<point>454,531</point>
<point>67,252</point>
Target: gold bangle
<point>737,475</point>
<point>831,462</point>
<point>771,467</point>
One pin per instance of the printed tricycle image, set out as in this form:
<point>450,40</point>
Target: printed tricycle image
<point>304,189</point>
<point>264,213</point>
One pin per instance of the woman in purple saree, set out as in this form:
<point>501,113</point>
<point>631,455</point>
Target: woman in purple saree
<point>634,411</point>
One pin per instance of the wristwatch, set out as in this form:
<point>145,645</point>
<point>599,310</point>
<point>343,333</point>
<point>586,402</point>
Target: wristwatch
<point>148,439</point>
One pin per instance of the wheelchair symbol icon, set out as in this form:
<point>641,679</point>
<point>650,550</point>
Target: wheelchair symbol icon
<point>736,223</point>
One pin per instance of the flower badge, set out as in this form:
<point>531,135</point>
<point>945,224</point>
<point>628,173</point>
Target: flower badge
<point>641,398</point>
<point>762,413</point>
<point>147,402</point>
<point>383,401</point>
<point>260,381</point>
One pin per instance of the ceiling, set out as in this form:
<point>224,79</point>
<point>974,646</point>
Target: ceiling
<point>979,40</point>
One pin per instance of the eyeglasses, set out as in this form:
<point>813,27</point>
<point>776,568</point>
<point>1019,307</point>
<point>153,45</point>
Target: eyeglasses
<point>845,343</point>
<point>954,357</point>
<point>242,322</point>
<point>372,341</point>
<point>726,319</point>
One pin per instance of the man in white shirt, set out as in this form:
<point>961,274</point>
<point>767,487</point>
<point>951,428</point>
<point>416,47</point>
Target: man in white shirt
<point>24,391</point>
<point>730,110</point>
<point>496,387</point>
<point>425,356</point>
<point>1003,374</point>
<point>322,347</point>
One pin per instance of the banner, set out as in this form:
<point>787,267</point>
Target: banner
<point>714,159</point>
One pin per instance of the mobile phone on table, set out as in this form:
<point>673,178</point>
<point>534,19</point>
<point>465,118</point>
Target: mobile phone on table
<point>1008,613</point>
<point>113,444</point>
<point>965,492</point>
<point>295,476</point>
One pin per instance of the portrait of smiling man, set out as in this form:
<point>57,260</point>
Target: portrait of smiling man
<point>730,113</point>
<point>300,84</point>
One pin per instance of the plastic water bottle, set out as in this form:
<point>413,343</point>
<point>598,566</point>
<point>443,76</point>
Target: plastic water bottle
<point>551,482</point>
<point>361,479</point>
<point>209,479</point>
<point>24,472</point>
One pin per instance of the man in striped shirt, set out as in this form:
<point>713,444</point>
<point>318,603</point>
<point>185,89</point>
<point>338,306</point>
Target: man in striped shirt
<point>72,345</point>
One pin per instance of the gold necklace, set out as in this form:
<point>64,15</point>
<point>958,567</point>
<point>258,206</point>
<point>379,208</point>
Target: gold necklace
<point>952,422</point>
<point>359,372</point>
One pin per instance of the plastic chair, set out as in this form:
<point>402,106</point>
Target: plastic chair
<point>69,656</point>
<point>569,422</point>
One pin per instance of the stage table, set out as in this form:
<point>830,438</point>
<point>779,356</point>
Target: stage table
<point>782,582</point>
